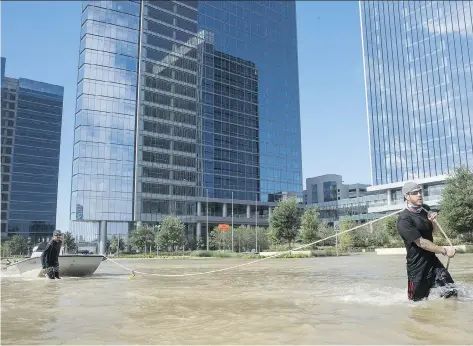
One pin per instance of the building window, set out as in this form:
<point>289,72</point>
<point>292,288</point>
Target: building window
<point>330,191</point>
<point>315,196</point>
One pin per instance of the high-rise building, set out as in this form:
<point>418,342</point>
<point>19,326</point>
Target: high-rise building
<point>182,108</point>
<point>418,58</point>
<point>31,138</point>
<point>2,69</point>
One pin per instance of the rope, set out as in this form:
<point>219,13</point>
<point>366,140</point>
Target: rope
<point>133,272</point>
<point>445,235</point>
<point>251,262</point>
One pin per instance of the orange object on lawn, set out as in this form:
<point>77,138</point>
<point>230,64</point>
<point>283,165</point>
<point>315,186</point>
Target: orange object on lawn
<point>223,227</point>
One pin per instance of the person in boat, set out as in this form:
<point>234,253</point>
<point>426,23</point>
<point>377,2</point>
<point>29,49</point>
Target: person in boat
<point>50,256</point>
<point>424,269</point>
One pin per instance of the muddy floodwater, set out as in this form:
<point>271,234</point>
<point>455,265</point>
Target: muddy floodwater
<point>358,299</point>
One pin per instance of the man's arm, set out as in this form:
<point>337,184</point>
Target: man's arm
<point>45,255</point>
<point>429,246</point>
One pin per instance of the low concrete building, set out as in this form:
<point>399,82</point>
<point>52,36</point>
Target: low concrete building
<point>394,200</point>
<point>329,188</point>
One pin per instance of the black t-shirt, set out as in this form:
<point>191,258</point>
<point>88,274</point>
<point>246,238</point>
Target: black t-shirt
<point>411,226</point>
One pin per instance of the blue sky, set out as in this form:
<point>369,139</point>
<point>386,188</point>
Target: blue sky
<point>40,41</point>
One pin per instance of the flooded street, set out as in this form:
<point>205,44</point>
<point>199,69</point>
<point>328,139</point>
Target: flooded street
<point>358,299</point>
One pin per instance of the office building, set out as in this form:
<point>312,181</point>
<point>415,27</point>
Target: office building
<point>330,187</point>
<point>337,201</point>
<point>419,91</point>
<point>2,69</point>
<point>182,108</point>
<point>31,138</point>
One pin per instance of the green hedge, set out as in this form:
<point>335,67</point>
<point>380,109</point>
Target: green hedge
<point>186,254</point>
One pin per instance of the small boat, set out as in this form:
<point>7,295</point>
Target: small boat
<point>69,265</point>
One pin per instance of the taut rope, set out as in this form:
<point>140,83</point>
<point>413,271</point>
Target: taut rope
<point>272,256</point>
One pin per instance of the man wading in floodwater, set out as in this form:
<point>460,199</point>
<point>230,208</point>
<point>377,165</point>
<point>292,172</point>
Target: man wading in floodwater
<point>424,269</point>
<point>50,256</point>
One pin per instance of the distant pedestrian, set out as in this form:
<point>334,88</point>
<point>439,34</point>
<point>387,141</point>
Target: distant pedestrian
<point>50,256</point>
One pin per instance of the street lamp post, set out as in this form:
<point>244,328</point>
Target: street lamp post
<point>207,219</point>
<point>232,222</point>
<point>256,221</point>
<point>157,243</point>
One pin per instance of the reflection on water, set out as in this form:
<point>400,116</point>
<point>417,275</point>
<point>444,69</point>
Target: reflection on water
<point>348,300</point>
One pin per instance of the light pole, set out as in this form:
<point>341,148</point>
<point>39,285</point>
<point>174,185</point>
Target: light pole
<point>336,237</point>
<point>157,243</point>
<point>256,217</point>
<point>207,209</point>
<point>185,218</point>
<point>232,222</point>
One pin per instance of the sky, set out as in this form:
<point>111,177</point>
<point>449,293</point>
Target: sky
<point>40,40</point>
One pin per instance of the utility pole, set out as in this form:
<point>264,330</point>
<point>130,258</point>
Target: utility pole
<point>336,238</point>
<point>256,217</point>
<point>232,222</point>
<point>207,219</point>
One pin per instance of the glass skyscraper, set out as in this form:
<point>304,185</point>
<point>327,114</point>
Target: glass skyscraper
<point>184,104</point>
<point>31,139</point>
<point>418,58</point>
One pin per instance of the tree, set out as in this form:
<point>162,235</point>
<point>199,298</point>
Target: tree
<point>345,240</point>
<point>273,240</point>
<point>69,243</point>
<point>116,244</point>
<point>171,233</point>
<point>326,231</point>
<point>362,237</point>
<point>263,238</point>
<point>310,225</point>
<point>220,240</point>
<point>286,219</point>
<point>6,251</point>
<point>241,238</point>
<point>389,226</point>
<point>368,236</point>
<point>199,244</point>
<point>456,206</point>
<point>142,238</point>
<point>18,245</point>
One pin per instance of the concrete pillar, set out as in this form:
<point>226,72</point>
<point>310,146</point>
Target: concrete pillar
<point>103,237</point>
<point>224,214</point>
<point>199,230</point>
<point>389,197</point>
<point>199,208</point>
<point>248,211</point>
<point>270,212</point>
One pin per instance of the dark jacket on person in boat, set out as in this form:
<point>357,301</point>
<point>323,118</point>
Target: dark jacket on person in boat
<point>50,255</point>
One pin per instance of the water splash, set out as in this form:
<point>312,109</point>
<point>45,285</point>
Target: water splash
<point>386,296</point>
<point>374,295</point>
<point>465,292</point>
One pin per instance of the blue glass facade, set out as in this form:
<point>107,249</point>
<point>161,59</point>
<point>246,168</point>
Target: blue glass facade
<point>9,99</point>
<point>263,33</point>
<point>35,159</point>
<point>2,69</point>
<point>103,163</point>
<point>217,111</point>
<point>230,127</point>
<point>418,58</point>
